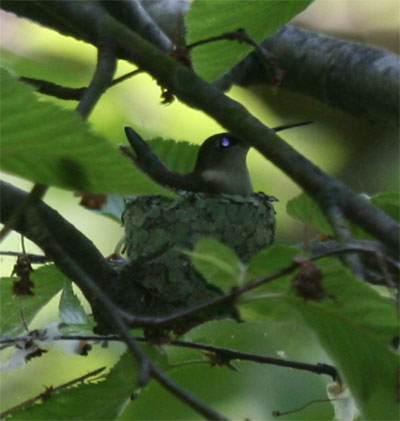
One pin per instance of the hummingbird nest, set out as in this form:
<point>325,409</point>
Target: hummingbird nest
<point>158,228</point>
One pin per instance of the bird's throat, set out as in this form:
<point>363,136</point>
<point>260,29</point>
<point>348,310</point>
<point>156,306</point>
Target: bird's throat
<point>229,182</point>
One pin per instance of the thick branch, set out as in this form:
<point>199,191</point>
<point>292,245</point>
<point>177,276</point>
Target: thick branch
<point>75,244</point>
<point>135,17</point>
<point>356,78</point>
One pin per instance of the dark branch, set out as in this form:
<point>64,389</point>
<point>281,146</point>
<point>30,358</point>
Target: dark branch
<point>356,78</point>
<point>342,233</point>
<point>52,89</point>
<point>231,354</point>
<point>37,192</point>
<point>102,78</point>
<point>63,92</point>
<point>225,353</point>
<point>132,14</point>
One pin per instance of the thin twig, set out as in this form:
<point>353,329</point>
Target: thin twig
<point>279,413</point>
<point>125,77</point>
<point>63,92</point>
<point>225,353</point>
<point>33,258</point>
<point>231,354</point>
<point>49,391</point>
<point>268,60</point>
<point>238,35</point>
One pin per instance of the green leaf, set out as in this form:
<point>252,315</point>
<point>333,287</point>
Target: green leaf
<point>218,263</point>
<point>209,18</point>
<point>355,326</point>
<point>270,260</point>
<point>389,202</point>
<point>179,156</point>
<point>48,281</point>
<point>103,400</point>
<point>307,210</point>
<point>70,308</point>
<point>46,144</point>
<point>253,304</point>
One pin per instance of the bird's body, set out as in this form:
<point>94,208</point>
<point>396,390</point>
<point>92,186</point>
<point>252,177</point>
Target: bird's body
<point>220,166</point>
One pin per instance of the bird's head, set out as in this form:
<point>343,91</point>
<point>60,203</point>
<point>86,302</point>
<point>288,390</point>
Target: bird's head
<point>221,162</point>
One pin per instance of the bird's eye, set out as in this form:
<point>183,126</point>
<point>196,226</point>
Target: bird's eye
<point>225,142</point>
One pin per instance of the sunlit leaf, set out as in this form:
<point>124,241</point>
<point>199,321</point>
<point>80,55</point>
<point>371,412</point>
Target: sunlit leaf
<point>50,145</point>
<point>218,264</point>
<point>209,18</point>
<point>70,307</point>
<point>178,156</point>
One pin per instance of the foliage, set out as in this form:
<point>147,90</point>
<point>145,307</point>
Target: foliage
<point>62,152</point>
<point>208,18</point>
<point>315,311</point>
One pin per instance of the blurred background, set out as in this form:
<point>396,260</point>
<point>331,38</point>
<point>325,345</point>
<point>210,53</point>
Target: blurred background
<point>362,155</point>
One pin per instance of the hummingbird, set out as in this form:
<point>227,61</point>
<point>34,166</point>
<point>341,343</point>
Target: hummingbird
<point>220,165</point>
